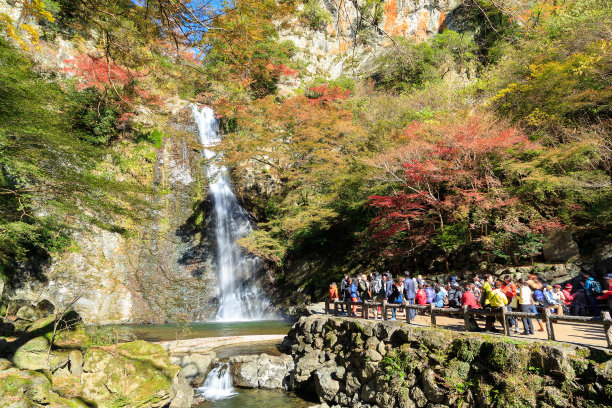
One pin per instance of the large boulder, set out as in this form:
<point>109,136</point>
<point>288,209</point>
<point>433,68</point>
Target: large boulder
<point>602,258</point>
<point>327,387</point>
<point>34,354</point>
<point>139,373</point>
<point>67,332</point>
<point>263,371</point>
<point>194,365</point>
<point>23,388</point>
<point>560,247</point>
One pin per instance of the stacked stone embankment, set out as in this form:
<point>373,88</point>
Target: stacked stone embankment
<point>358,363</point>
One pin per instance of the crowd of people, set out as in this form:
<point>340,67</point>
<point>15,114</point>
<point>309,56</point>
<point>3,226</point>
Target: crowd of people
<point>528,295</point>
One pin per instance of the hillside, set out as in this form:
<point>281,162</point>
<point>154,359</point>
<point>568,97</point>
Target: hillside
<point>443,138</point>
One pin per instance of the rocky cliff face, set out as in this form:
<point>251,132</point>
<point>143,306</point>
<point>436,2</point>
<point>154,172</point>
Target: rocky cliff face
<point>338,37</point>
<point>152,269</point>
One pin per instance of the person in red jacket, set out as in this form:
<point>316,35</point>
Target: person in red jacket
<point>468,298</point>
<point>567,294</point>
<point>607,294</point>
<point>509,289</point>
<point>421,296</point>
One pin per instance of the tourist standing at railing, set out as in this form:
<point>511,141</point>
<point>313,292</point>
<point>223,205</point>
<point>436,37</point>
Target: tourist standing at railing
<point>509,289</point>
<point>378,293</point>
<point>525,298</point>
<point>396,296</point>
<point>354,296</point>
<point>591,289</point>
<point>333,293</point>
<point>485,302</point>
<point>410,293</point>
<point>344,288</point>
<point>498,301</point>
<point>607,294</point>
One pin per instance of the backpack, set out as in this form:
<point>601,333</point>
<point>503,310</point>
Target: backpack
<point>362,286</point>
<point>376,287</point>
<point>595,288</point>
<point>394,293</point>
<point>538,295</point>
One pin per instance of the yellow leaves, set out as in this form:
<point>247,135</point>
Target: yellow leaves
<point>30,10</point>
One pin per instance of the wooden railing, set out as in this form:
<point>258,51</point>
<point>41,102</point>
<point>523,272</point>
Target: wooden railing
<point>500,313</point>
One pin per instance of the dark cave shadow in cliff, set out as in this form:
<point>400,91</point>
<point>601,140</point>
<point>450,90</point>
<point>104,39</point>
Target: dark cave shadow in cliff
<point>193,232</point>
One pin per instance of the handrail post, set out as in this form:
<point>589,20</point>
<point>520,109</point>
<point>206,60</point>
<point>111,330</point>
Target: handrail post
<point>432,314</point>
<point>366,311</point>
<point>505,321</point>
<point>549,324</point>
<point>407,313</point>
<point>327,309</point>
<point>466,318</point>
<point>335,307</point>
<point>607,324</point>
<point>384,309</point>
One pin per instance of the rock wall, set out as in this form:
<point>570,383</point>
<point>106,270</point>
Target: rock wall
<point>351,34</point>
<point>357,363</point>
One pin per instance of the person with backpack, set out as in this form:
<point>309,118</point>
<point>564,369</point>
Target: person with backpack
<point>592,289</point>
<point>410,294</point>
<point>378,292</point>
<point>537,296</point>
<point>333,293</point>
<point>395,296</point>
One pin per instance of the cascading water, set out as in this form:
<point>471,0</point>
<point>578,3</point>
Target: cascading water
<point>218,384</point>
<point>239,296</point>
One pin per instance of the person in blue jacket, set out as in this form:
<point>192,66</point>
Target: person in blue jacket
<point>354,295</point>
<point>395,296</point>
<point>439,299</point>
<point>410,293</point>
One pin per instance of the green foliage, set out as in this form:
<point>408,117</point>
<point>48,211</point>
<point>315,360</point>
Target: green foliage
<point>93,116</point>
<point>408,65</point>
<point>48,168</point>
<point>316,15</point>
<point>396,363</point>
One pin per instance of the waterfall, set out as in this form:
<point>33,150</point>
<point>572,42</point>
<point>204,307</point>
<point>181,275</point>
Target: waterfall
<point>218,384</point>
<point>239,296</point>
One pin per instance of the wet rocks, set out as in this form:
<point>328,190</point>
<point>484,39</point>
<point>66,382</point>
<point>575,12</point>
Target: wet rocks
<point>194,365</point>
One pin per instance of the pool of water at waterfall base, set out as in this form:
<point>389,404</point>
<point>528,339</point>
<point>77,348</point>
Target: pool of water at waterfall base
<point>247,398</point>
<point>165,332</point>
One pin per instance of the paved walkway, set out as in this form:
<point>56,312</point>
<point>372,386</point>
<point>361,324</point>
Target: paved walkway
<point>571,332</point>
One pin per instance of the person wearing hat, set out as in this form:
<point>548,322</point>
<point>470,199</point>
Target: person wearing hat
<point>607,294</point>
<point>567,294</point>
<point>550,302</point>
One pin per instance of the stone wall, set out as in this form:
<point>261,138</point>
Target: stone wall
<point>358,363</point>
